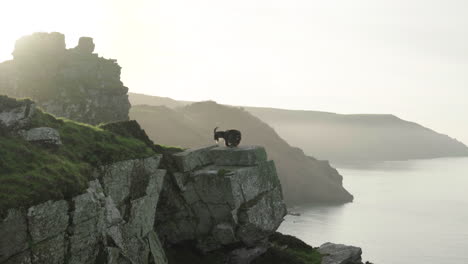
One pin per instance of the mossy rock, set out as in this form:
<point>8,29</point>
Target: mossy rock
<point>33,173</point>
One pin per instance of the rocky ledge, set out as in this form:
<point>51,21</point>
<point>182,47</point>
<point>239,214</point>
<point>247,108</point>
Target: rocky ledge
<point>219,196</point>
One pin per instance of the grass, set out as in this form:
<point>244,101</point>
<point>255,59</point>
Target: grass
<point>32,173</point>
<point>289,250</point>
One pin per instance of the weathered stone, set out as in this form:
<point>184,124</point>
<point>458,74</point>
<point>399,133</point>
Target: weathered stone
<point>115,234</point>
<point>45,135</point>
<point>113,254</point>
<point>340,254</point>
<point>224,234</point>
<point>47,220</point>
<point>143,210</point>
<point>240,156</point>
<point>193,158</point>
<point>21,258</point>
<point>118,177</point>
<point>39,44</point>
<point>181,179</point>
<point>87,206</point>
<point>13,234</point>
<point>246,255</point>
<point>113,216</point>
<point>51,251</point>
<point>90,228</point>
<point>84,241</point>
<point>85,45</point>
<point>116,180</point>
<point>228,203</point>
<point>255,180</point>
<point>17,117</point>
<point>157,251</point>
<point>261,217</point>
<point>71,83</point>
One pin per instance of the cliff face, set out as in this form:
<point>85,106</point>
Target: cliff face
<point>73,83</point>
<point>225,199</point>
<point>348,138</point>
<point>221,196</point>
<point>112,222</point>
<point>304,179</point>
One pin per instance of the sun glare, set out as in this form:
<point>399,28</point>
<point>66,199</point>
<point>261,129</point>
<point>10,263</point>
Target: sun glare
<point>23,17</point>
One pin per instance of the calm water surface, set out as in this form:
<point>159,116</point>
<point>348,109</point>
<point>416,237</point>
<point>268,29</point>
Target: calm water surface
<point>404,212</point>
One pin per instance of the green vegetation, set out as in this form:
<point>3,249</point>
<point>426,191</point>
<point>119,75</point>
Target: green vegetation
<point>289,250</point>
<point>32,173</point>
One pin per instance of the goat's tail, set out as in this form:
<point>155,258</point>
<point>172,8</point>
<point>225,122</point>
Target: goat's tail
<point>215,129</point>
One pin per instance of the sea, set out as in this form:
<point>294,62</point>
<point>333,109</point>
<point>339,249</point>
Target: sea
<point>404,212</point>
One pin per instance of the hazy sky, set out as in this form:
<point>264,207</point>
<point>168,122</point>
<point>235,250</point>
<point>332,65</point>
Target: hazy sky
<point>405,57</point>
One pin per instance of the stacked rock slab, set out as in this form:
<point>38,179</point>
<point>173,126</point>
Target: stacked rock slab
<point>340,254</point>
<point>221,196</point>
<point>112,222</point>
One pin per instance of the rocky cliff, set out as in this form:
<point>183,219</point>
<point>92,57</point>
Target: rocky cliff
<point>133,207</point>
<point>73,83</point>
<point>221,196</point>
<point>112,222</point>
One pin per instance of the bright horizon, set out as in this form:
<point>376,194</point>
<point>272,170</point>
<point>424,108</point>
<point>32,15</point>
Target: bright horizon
<point>407,58</point>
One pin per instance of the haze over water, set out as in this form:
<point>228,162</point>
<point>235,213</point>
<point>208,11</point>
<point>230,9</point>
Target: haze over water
<point>404,212</point>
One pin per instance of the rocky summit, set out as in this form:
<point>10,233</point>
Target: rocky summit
<point>73,83</point>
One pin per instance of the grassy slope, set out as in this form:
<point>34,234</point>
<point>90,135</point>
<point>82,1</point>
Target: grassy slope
<point>289,250</point>
<point>32,173</point>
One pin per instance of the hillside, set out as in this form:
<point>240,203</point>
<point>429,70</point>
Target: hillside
<point>359,137</point>
<point>32,172</point>
<point>346,138</point>
<point>304,179</point>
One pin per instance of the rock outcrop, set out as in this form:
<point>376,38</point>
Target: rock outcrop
<point>112,222</point>
<point>340,254</point>
<point>15,114</point>
<point>45,135</point>
<point>221,196</point>
<point>73,83</point>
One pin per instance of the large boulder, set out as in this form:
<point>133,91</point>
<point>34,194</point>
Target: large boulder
<point>45,135</point>
<point>340,254</point>
<point>221,196</point>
